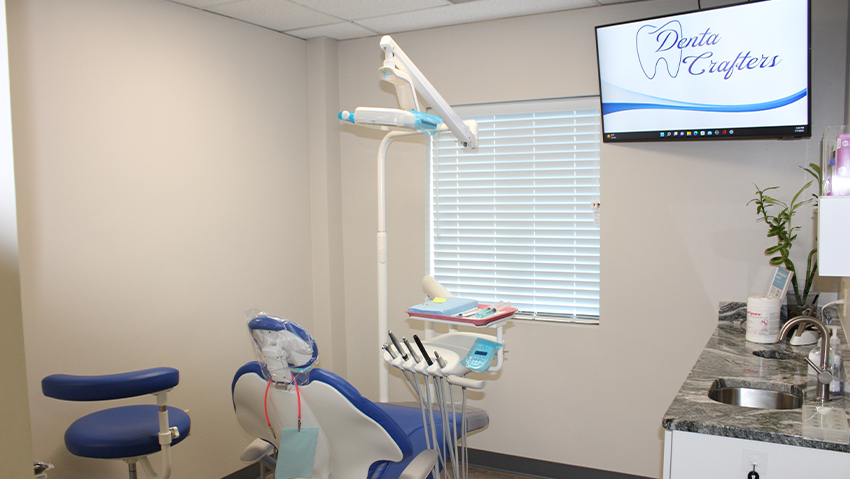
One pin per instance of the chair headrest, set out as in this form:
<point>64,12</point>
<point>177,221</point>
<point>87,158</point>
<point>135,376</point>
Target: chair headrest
<point>282,346</point>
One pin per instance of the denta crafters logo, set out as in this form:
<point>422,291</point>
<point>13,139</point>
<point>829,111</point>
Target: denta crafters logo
<point>695,54</point>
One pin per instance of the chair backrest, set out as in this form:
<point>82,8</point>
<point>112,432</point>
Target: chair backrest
<point>353,432</point>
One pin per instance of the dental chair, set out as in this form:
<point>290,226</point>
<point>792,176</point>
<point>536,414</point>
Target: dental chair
<point>130,433</point>
<point>357,439</point>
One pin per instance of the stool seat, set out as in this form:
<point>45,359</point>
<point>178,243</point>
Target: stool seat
<point>123,432</point>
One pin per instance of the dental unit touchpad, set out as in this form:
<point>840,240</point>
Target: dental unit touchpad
<point>479,358</point>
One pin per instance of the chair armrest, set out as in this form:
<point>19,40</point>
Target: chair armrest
<point>109,386</point>
<point>421,465</point>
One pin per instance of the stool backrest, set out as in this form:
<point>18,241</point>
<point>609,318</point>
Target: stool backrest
<point>109,386</point>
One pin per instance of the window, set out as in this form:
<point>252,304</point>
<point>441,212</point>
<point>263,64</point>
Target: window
<point>512,220</point>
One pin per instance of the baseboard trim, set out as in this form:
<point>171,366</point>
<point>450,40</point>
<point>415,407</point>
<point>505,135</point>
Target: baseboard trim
<point>495,461</point>
<point>535,467</point>
<point>247,472</point>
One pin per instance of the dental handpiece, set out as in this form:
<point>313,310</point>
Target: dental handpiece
<point>440,361</point>
<point>386,347</point>
<point>397,345</point>
<point>413,354</point>
<point>422,348</point>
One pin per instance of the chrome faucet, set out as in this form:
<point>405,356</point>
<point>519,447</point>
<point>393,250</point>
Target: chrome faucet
<point>824,375</point>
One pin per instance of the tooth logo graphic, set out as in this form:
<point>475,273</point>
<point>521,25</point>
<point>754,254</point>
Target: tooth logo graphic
<point>655,45</point>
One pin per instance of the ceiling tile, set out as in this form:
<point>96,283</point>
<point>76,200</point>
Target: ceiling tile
<point>611,2</point>
<point>354,10</point>
<point>339,31</point>
<point>202,4</point>
<point>347,19</point>
<point>277,15</point>
<point>477,11</point>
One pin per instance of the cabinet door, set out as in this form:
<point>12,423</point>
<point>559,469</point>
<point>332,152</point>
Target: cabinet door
<point>700,456</point>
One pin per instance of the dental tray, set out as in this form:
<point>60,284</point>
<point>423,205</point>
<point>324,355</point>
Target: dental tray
<point>500,315</point>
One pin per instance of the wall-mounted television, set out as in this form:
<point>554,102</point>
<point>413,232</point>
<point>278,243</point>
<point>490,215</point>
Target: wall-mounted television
<point>740,71</point>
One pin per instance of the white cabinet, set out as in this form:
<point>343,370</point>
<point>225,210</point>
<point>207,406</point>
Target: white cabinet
<point>689,455</point>
<point>833,232</point>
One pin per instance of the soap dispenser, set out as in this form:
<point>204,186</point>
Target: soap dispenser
<point>835,360</point>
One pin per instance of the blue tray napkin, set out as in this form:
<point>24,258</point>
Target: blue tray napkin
<point>444,306</point>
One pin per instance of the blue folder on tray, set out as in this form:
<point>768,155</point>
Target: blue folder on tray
<point>444,306</point>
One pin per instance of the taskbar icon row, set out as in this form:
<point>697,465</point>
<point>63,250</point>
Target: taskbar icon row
<point>692,133</point>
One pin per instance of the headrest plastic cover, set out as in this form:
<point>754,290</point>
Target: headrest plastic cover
<point>283,346</point>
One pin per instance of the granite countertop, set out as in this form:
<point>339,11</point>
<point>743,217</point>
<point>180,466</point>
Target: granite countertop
<point>728,355</point>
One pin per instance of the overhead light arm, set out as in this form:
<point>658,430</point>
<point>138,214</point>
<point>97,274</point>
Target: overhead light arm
<point>395,59</point>
<point>404,88</point>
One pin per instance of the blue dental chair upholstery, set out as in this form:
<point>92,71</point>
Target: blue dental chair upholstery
<point>130,433</point>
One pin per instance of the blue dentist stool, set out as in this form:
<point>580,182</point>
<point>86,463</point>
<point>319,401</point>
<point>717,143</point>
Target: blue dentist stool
<point>130,433</point>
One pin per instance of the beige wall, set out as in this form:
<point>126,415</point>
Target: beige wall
<point>15,436</point>
<point>677,235</point>
<point>161,172</point>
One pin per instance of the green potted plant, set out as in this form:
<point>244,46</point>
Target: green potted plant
<point>778,216</point>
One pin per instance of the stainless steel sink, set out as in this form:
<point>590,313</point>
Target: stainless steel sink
<point>756,394</point>
<point>772,354</point>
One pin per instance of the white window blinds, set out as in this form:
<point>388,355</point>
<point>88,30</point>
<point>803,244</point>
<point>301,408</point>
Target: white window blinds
<point>512,220</point>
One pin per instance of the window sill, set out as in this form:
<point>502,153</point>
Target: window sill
<point>551,318</point>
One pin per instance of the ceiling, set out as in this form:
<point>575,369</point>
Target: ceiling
<point>347,19</point>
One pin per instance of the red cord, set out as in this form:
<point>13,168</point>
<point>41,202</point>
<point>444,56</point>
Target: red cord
<point>298,394</point>
<point>266,405</point>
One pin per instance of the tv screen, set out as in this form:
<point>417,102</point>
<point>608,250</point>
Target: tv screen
<point>738,71</point>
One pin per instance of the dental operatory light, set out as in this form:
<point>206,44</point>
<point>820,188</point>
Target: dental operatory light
<point>399,70</point>
<point>412,119</point>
